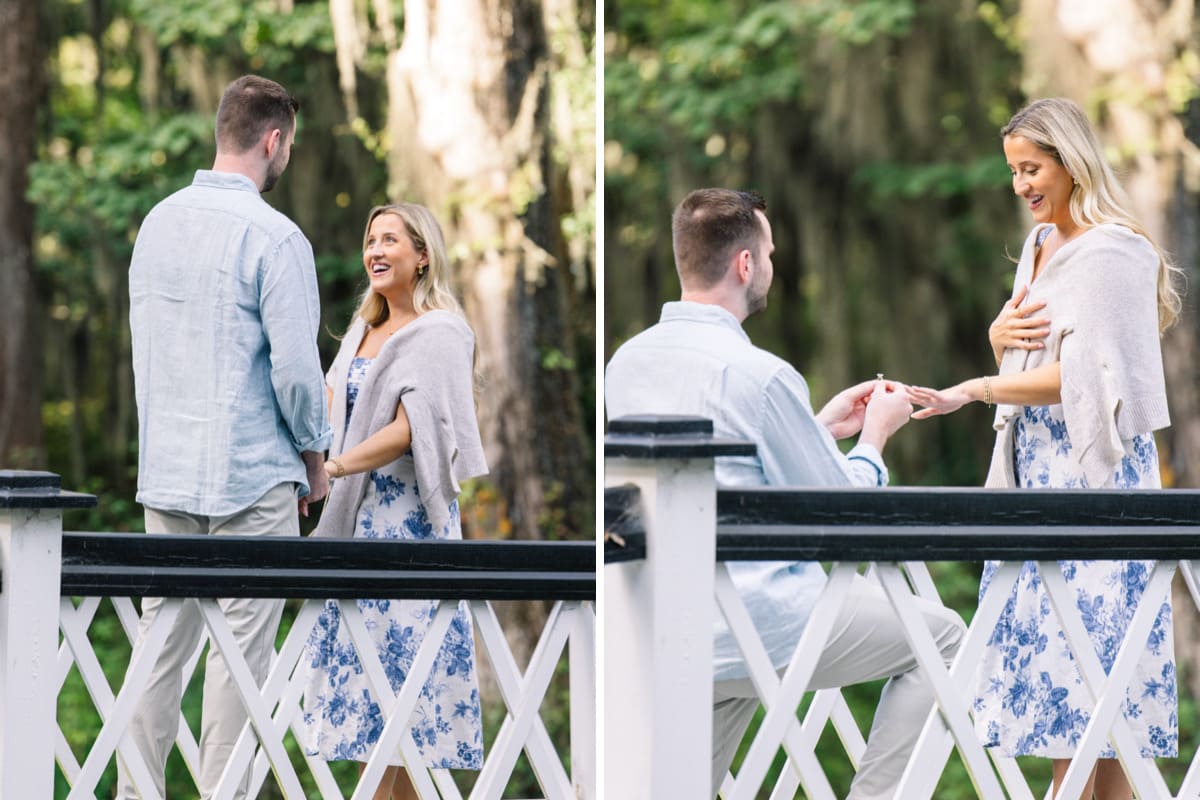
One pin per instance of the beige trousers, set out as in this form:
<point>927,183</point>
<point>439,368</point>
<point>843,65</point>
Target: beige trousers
<point>866,643</point>
<point>254,622</point>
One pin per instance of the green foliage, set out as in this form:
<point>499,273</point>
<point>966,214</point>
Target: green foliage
<point>268,37</point>
<point>890,180</point>
<point>706,66</point>
<point>112,182</point>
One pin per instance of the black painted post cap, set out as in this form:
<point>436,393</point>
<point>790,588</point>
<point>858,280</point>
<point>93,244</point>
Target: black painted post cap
<point>32,489</point>
<point>666,436</point>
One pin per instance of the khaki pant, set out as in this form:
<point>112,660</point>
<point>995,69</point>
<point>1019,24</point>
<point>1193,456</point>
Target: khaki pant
<point>254,623</point>
<point>866,643</point>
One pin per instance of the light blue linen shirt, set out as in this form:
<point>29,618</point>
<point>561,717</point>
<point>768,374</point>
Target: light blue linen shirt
<point>224,314</point>
<point>699,361</point>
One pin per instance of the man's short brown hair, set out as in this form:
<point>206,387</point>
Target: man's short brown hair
<point>708,227</point>
<point>250,107</point>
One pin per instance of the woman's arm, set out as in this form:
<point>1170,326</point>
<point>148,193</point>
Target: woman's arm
<point>1041,386</point>
<point>382,447</point>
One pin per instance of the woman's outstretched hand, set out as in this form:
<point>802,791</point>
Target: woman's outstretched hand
<point>936,402</point>
<point>1016,327</point>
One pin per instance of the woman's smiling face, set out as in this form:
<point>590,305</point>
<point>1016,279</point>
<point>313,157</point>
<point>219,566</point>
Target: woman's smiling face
<point>1040,180</point>
<point>390,259</point>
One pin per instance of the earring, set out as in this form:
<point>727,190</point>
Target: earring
<point>422,270</point>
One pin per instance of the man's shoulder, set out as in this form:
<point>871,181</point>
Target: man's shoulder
<point>677,338</point>
<point>228,206</point>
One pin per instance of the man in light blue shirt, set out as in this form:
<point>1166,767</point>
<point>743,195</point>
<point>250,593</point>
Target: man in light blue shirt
<point>699,361</point>
<point>232,418</point>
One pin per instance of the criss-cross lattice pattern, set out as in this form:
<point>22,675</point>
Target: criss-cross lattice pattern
<point>949,724</point>
<point>567,640</point>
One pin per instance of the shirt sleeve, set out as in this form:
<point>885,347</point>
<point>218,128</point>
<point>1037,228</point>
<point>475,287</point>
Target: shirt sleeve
<point>290,309</point>
<point>797,450</point>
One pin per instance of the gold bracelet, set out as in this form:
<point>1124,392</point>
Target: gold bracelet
<point>987,390</point>
<point>341,470</point>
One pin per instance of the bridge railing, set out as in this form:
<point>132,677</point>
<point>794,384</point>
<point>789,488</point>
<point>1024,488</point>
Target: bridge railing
<point>670,531</point>
<point>52,584</point>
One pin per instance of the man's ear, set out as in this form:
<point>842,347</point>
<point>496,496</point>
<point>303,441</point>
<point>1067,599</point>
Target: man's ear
<point>742,266</point>
<point>272,141</point>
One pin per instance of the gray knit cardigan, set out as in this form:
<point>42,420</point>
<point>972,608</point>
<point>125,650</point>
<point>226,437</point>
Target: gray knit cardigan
<point>427,365</point>
<point>1101,293</point>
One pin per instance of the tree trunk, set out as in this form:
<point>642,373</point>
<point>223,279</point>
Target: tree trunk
<point>21,435</point>
<point>470,131</point>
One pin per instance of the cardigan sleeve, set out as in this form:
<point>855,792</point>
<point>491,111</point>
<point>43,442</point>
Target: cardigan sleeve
<point>441,411</point>
<point>1111,363</point>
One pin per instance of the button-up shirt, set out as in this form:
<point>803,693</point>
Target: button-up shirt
<point>224,315</point>
<point>699,361</point>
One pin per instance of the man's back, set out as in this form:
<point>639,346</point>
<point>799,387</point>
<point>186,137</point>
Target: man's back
<point>224,313</point>
<point>697,360</point>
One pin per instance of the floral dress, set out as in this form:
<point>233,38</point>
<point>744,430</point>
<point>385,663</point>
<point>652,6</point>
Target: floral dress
<point>341,718</point>
<point>1030,698</point>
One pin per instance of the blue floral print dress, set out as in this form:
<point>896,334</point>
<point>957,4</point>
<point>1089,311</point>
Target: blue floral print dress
<point>1031,700</point>
<point>341,718</point>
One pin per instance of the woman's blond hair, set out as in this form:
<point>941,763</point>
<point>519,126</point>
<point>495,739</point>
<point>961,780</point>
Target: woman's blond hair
<point>1060,129</point>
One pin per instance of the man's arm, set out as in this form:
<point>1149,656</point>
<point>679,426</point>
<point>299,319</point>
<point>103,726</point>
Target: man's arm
<point>290,311</point>
<point>318,480</point>
<point>800,451</point>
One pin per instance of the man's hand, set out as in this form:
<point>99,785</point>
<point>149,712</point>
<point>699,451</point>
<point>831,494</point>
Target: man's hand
<point>318,481</point>
<point>843,415</point>
<point>888,409</point>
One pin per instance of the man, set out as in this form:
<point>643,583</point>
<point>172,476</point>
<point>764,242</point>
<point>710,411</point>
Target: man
<point>698,361</point>
<point>232,419</point>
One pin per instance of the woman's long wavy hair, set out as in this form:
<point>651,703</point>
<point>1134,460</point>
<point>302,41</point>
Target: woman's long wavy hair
<point>1060,129</point>
<point>433,288</point>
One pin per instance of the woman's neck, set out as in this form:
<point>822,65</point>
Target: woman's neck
<point>1068,230</point>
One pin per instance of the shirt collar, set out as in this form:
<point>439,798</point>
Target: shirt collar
<point>224,180</point>
<point>688,311</point>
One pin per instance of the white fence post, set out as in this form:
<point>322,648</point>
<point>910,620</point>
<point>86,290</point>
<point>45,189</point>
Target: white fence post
<point>31,505</point>
<point>659,610</point>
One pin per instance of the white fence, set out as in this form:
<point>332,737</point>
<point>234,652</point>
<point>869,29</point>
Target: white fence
<point>49,600</point>
<point>669,532</point>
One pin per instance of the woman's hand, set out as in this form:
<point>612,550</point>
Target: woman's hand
<point>1016,327</point>
<point>937,402</point>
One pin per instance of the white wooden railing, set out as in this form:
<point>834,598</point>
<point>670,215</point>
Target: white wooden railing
<point>52,587</point>
<point>669,532</point>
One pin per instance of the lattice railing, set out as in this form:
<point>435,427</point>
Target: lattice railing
<point>893,532</point>
<point>196,570</point>
<point>275,709</point>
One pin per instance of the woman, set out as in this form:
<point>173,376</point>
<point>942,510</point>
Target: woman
<point>405,434</point>
<point>1079,393</point>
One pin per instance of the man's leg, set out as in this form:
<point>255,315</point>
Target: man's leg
<point>254,623</point>
<point>155,722</point>
<point>866,643</point>
<point>731,717</point>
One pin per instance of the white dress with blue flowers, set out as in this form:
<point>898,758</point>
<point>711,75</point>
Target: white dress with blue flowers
<point>341,718</point>
<point>1030,699</point>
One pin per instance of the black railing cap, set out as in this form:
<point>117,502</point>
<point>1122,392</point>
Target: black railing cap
<point>669,436</point>
<point>31,489</point>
